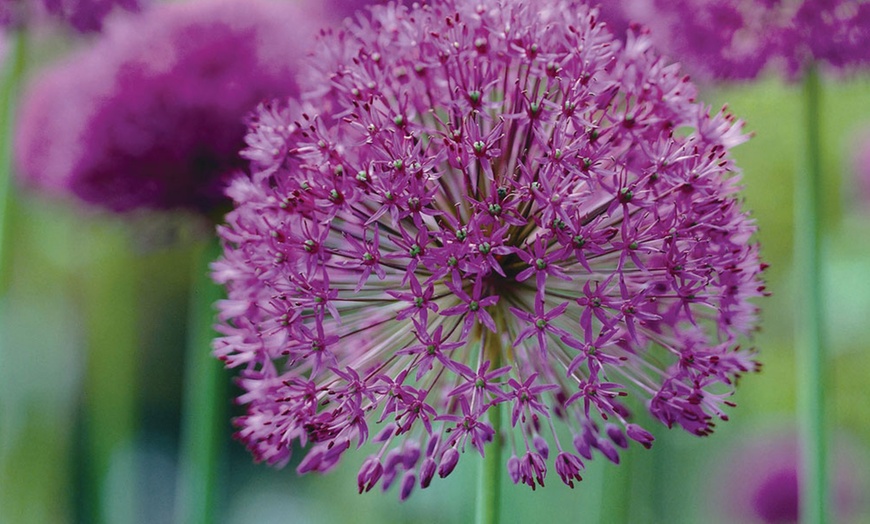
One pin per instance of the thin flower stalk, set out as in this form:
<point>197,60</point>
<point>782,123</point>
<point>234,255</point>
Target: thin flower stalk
<point>12,66</point>
<point>204,402</point>
<point>812,358</point>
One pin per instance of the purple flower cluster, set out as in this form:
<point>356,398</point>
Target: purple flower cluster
<point>737,39</point>
<point>84,15</point>
<point>480,208</point>
<point>153,114</point>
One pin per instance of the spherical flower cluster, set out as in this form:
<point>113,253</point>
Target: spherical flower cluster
<point>737,39</point>
<point>153,114</point>
<point>83,15</point>
<point>484,208</point>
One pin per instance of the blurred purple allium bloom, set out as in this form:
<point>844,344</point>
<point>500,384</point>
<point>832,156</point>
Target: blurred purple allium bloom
<point>833,32</point>
<point>153,114</point>
<point>712,38</point>
<point>484,207</point>
<point>758,481</point>
<point>84,15</point>
<point>338,9</point>
<point>737,39</point>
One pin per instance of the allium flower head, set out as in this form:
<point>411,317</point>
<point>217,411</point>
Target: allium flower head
<point>153,114</point>
<point>737,39</point>
<point>83,15</point>
<point>484,207</point>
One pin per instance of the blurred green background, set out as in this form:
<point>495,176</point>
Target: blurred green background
<point>94,308</point>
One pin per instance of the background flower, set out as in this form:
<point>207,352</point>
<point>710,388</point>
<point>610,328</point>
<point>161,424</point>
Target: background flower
<point>339,9</point>
<point>737,39</point>
<point>483,209</point>
<point>152,114</point>
<point>757,480</point>
<point>83,15</point>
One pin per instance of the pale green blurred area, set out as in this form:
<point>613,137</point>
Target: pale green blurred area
<point>91,295</point>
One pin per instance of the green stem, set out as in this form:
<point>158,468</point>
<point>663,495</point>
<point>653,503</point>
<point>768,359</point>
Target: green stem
<point>9,90</point>
<point>489,487</point>
<point>616,499</point>
<point>110,416</point>
<point>810,338</point>
<point>491,467</point>
<point>204,400</point>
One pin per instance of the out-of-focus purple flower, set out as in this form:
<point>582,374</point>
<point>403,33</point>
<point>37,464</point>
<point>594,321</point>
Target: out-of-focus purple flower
<point>153,114</point>
<point>713,38</point>
<point>758,481</point>
<point>616,15</point>
<point>737,39</point>
<point>88,15</point>
<point>84,15</point>
<point>484,207</point>
<point>835,33</point>
<point>338,9</point>
<point>13,13</point>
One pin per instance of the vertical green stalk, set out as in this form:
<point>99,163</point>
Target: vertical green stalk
<point>491,467</point>
<point>489,486</point>
<point>13,75</point>
<point>616,499</point>
<point>109,404</point>
<point>204,400</point>
<point>810,338</point>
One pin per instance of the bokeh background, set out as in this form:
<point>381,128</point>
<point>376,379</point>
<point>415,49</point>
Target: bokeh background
<point>86,294</point>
